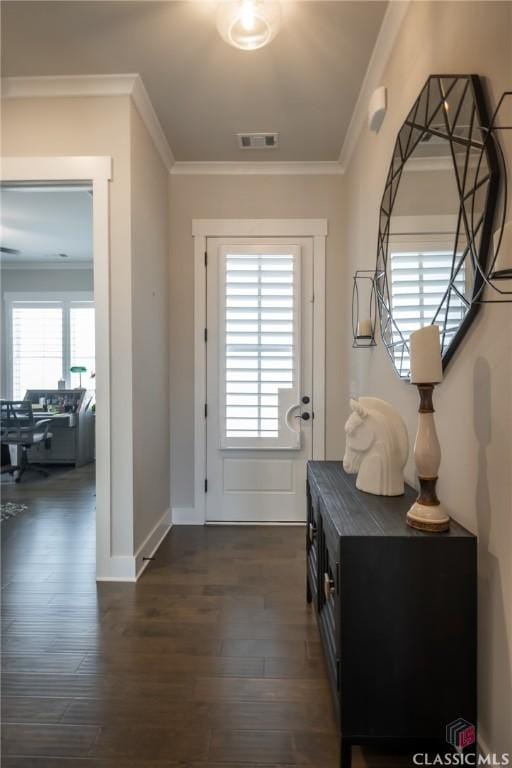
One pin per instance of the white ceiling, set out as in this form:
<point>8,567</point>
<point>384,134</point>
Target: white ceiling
<point>42,223</point>
<point>304,85</point>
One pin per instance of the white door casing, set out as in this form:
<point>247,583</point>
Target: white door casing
<point>275,470</point>
<point>98,172</point>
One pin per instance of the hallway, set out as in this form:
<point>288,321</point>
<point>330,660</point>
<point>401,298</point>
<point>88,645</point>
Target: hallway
<point>211,660</point>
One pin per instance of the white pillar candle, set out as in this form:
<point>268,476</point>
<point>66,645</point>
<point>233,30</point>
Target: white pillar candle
<point>364,328</point>
<point>426,362</point>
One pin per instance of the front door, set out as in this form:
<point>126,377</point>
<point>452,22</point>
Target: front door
<point>259,378</point>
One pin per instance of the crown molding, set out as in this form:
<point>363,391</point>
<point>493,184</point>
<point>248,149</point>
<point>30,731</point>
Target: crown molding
<point>62,86</point>
<point>133,86</point>
<point>388,32</point>
<point>147,112</point>
<point>257,168</point>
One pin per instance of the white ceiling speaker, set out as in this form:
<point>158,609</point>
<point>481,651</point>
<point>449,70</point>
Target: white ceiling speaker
<point>377,108</point>
<point>248,24</point>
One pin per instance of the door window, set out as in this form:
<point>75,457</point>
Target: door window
<point>259,347</point>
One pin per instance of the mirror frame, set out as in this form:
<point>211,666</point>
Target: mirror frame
<point>439,87</point>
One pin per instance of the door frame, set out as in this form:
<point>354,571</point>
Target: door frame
<point>95,171</point>
<point>202,230</point>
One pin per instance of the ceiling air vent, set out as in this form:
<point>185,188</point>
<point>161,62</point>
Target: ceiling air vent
<point>257,140</point>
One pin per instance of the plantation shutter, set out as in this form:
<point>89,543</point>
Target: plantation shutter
<point>37,350</point>
<point>419,280</point>
<point>260,342</point>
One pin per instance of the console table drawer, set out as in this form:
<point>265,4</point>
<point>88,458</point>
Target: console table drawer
<point>396,611</point>
<point>312,559</point>
<point>328,606</point>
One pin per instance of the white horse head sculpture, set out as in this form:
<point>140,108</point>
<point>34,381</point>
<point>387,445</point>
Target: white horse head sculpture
<point>377,446</point>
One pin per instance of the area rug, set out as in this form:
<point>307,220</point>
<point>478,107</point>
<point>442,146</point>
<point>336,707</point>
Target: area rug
<point>10,509</point>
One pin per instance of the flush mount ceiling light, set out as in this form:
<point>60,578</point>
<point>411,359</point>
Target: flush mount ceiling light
<point>248,24</point>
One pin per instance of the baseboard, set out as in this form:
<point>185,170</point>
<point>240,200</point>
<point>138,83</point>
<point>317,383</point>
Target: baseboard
<point>130,567</point>
<point>186,516</point>
<point>119,568</point>
<point>253,523</point>
<point>151,543</point>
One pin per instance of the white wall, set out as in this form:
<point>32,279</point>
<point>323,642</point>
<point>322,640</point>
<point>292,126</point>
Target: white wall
<point>31,281</point>
<point>233,197</point>
<point>106,126</point>
<point>474,403</point>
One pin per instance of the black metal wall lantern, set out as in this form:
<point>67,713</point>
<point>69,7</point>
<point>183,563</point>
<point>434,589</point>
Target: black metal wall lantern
<point>364,309</point>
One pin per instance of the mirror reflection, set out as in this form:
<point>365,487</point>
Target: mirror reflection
<point>432,216</point>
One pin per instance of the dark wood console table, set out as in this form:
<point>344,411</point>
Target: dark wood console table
<point>397,614</point>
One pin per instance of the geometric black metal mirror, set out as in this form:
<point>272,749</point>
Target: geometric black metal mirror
<point>436,217</point>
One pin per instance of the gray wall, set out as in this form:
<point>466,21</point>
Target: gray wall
<point>150,280</point>
<point>474,403</point>
<point>105,126</point>
<point>96,126</point>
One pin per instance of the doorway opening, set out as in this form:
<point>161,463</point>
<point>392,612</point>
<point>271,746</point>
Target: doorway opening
<point>48,407</point>
<point>94,172</point>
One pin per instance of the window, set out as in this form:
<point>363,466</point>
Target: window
<point>36,347</point>
<point>48,336</point>
<point>81,341</point>
<point>419,279</point>
<point>260,349</point>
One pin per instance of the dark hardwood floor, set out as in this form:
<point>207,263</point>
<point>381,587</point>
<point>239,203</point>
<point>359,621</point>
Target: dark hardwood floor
<point>212,660</point>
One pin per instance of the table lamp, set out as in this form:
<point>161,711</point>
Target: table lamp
<point>78,369</point>
<point>427,513</point>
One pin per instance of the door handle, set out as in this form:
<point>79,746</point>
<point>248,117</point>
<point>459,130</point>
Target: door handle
<point>288,414</point>
<point>329,588</point>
